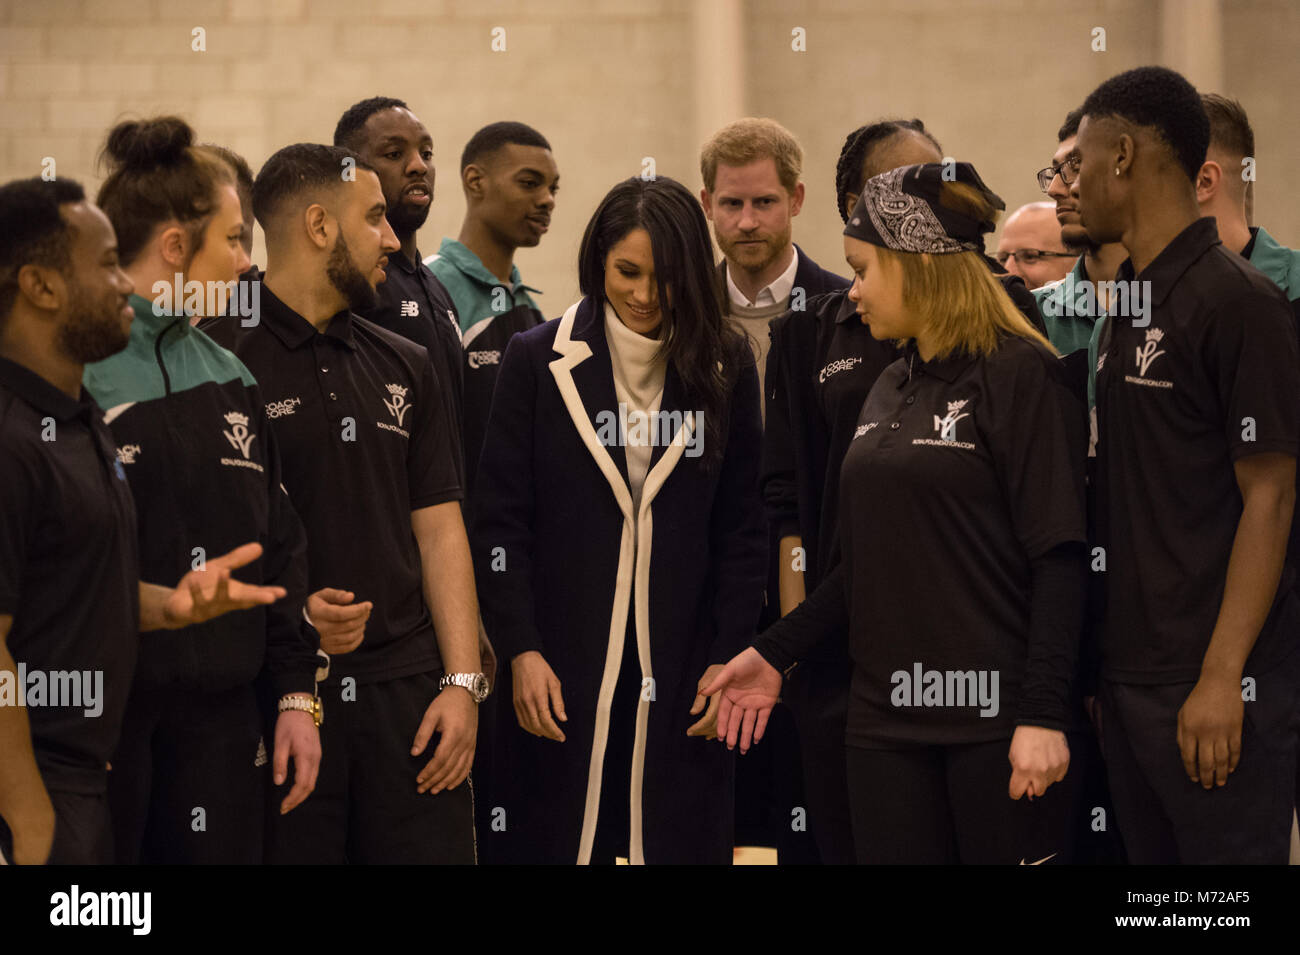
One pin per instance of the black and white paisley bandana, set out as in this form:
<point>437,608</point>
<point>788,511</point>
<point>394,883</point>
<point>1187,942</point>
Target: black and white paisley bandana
<point>900,210</point>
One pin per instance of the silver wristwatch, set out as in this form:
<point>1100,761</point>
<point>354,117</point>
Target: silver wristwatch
<point>476,683</point>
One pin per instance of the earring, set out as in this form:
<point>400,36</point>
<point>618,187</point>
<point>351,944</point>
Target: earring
<point>1117,170</point>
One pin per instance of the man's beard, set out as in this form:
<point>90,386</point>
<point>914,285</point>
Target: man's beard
<point>1082,246</point>
<point>405,219</point>
<point>348,279</point>
<point>93,330</point>
<point>772,247</point>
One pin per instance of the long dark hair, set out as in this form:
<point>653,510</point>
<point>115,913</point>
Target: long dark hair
<point>699,343</point>
<point>157,174</point>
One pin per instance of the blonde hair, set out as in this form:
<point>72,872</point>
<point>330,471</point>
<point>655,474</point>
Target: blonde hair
<point>749,140</point>
<point>956,298</point>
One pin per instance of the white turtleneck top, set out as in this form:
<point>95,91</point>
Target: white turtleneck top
<point>639,386</point>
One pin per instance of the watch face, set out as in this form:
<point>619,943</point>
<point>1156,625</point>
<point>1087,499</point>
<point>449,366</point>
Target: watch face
<point>481,687</point>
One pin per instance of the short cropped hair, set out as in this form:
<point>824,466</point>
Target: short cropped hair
<point>33,230</point>
<point>1230,128</point>
<point>356,115</point>
<point>1163,101</point>
<point>1071,125</point>
<point>298,169</point>
<point>493,137</point>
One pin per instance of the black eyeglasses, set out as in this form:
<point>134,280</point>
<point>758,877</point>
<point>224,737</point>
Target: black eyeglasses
<point>1030,256</point>
<point>1068,171</point>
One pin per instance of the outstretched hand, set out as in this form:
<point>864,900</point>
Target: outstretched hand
<point>204,594</point>
<point>750,687</point>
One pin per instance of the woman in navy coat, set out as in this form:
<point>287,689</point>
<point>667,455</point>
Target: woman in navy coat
<point>620,547</point>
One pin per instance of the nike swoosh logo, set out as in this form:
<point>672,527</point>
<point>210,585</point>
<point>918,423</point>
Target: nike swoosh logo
<point>1039,862</point>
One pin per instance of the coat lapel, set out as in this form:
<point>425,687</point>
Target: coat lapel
<point>588,366</point>
<point>673,415</point>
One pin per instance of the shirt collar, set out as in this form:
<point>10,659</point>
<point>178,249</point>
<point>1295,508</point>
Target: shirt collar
<point>405,264</point>
<point>848,310</point>
<point>1174,259</point>
<point>1249,250</point>
<point>151,323</point>
<point>946,369</point>
<point>472,266</point>
<point>778,290</point>
<point>294,331</point>
<point>42,395</point>
<point>1275,260</point>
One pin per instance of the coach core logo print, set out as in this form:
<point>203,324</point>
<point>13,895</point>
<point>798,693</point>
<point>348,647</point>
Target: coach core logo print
<point>842,364</point>
<point>285,406</point>
<point>1145,355</point>
<point>240,438</point>
<point>397,406</point>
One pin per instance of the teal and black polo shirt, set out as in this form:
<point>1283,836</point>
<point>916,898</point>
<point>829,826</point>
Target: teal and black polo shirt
<point>490,312</point>
<point>193,438</point>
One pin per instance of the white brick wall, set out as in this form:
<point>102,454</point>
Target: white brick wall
<point>608,82</point>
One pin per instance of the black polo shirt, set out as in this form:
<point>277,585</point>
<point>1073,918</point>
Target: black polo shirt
<point>960,473</point>
<point>414,304</point>
<point>824,363</point>
<point>821,367</point>
<point>1212,378</point>
<point>69,571</point>
<point>364,440</point>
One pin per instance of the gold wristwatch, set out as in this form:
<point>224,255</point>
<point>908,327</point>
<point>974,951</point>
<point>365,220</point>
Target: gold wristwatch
<point>310,705</point>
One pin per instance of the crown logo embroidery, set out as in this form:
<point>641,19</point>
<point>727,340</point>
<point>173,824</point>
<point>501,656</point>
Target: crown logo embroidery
<point>947,425</point>
<point>240,438</point>
<point>1148,352</point>
<point>397,407</point>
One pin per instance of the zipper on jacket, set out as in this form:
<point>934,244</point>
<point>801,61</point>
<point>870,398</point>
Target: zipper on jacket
<point>157,350</point>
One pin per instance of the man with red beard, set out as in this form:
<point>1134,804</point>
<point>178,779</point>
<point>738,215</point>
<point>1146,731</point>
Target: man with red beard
<point>751,191</point>
<point>751,171</point>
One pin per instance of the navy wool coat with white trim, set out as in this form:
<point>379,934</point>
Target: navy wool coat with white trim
<point>558,571</point>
